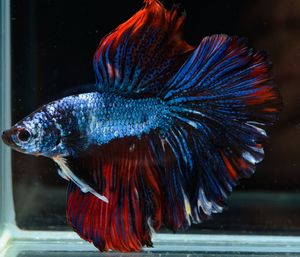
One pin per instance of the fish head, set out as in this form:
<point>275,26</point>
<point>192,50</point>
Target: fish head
<point>36,134</point>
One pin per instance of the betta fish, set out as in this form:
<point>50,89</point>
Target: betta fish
<point>166,135</point>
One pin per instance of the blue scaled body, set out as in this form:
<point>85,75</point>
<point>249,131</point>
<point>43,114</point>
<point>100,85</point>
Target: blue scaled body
<point>95,119</point>
<point>101,117</point>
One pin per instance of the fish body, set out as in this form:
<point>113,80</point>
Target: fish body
<point>166,136</point>
<point>91,118</point>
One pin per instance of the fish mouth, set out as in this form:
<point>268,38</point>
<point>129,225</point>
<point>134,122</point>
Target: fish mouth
<point>6,137</point>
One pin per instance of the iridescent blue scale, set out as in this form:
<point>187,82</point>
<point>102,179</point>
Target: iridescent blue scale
<point>101,117</point>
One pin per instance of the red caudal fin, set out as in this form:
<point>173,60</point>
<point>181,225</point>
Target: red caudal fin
<point>143,53</point>
<point>123,172</point>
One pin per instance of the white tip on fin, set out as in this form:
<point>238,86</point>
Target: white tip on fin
<point>66,173</point>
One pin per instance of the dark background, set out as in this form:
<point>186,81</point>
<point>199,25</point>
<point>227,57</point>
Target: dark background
<point>53,45</point>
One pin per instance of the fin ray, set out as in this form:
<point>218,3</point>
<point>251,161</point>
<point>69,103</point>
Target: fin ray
<point>222,97</point>
<point>142,53</point>
<point>130,182</point>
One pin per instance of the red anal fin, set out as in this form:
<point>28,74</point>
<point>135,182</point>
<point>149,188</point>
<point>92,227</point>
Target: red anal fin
<point>123,172</point>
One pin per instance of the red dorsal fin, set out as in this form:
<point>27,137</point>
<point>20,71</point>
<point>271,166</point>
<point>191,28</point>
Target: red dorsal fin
<point>143,53</point>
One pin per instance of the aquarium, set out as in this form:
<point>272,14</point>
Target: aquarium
<point>47,49</point>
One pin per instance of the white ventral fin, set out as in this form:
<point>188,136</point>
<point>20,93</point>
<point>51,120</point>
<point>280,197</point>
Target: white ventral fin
<point>67,174</point>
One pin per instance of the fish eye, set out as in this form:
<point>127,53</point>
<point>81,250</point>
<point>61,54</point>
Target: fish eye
<point>23,135</point>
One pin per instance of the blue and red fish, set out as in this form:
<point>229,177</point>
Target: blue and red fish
<point>167,134</point>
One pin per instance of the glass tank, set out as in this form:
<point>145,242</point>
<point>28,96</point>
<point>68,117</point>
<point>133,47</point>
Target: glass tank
<point>47,50</point>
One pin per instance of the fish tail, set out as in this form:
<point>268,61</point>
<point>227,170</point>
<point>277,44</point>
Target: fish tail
<point>224,81</point>
<point>220,101</point>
